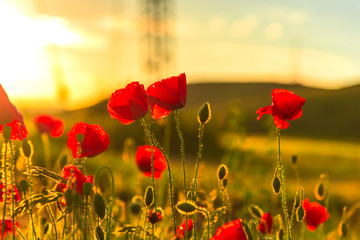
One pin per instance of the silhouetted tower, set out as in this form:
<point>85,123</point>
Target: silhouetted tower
<point>158,38</point>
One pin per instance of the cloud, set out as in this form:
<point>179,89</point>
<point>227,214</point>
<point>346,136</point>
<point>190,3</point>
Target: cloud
<point>244,27</point>
<point>274,31</point>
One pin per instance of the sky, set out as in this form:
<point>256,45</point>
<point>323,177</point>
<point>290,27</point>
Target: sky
<point>99,45</point>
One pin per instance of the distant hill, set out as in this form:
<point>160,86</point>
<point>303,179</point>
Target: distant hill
<point>333,114</point>
<point>327,113</point>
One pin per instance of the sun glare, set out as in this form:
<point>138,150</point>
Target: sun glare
<point>23,43</point>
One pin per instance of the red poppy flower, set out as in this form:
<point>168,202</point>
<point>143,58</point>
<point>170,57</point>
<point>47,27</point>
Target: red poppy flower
<point>77,179</point>
<point>286,105</point>
<point>9,190</point>
<point>315,214</point>
<point>48,124</point>
<point>11,117</point>
<point>266,223</point>
<point>229,231</point>
<point>8,226</point>
<point>154,217</point>
<point>143,160</point>
<point>167,95</point>
<point>180,231</point>
<point>95,140</point>
<point>128,104</point>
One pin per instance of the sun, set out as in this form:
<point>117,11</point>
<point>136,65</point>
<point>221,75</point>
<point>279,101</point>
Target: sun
<point>24,60</point>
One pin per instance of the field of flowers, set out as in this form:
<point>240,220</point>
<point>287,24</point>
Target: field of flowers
<point>153,196</point>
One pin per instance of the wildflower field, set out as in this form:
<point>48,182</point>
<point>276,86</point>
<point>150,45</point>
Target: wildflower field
<point>144,168</point>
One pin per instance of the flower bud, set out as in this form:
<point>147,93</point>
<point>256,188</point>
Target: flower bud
<point>149,196</point>
<point>342,230</point>
<point>27,148</point>
<point>99,205</point>
<point>300,214</point>
<point>186,207</point>
<point>99,233</point>
<point>68,197</point>
<point>24,186</point>
<point>256,211</point>
<point>6,132</point>
<point>222,172</point>
<point>320,188</point>
<point>204,114</point>
<point>276,185</point>
<point>87,187</point>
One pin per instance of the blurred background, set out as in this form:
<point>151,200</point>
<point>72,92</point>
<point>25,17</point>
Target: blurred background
<point>51,49</point>
<point>67,57</point>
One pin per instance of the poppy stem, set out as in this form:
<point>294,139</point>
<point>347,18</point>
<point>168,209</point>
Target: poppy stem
<point>12,176</point>
<point>148,135</point>
<point>208,220</point>
<point>5,185</point>
<point>283,192</point>
<point>28,161</point>
<point>157,144</point>
<point>53,219</point>
<point>178,129</point>
<point>201,134</point>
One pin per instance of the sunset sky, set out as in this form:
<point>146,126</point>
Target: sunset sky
<point>315,43</point>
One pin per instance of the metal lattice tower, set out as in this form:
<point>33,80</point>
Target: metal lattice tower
<point>158,38</point>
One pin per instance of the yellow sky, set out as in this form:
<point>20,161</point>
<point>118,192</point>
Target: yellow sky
<point>97,48</point>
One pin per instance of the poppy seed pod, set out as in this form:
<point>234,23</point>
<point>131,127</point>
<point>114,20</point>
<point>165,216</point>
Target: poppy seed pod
<point>204,114</point>
<point>87,189</point>
<point>300,214</point>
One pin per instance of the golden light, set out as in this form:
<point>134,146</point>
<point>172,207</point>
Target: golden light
<point>25,69</point>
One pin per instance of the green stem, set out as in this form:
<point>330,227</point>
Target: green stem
<point>12,188</point>
<point>208,220</point>
<point>109,210</point>
<point>148,135</point>
<point>29,201</point>
<point>201,134</point>
<point>52,219</point>
<point>283,191</point>
<point>178,129</point>
<point>86,211</point>
<point>157,144</point>
<point>5,193</point>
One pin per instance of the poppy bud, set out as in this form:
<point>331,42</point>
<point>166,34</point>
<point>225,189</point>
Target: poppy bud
<point>99,206</point>
<point>68,197</point>
<point>280,234</point>
<point>99,233</point>
<point>149,196</point>
<point>186,207</point>
<point>87,187</point>
<point>300,214</point>
<point>224,182</point>
<point>320,189</point>
<point>27,148</point>
<point>136,205</point>
<point>204,114</point>
<point>256,211</point>
<point>294,159</point>
<point>276,185</point>
<point>6,132</point>
<point>24,186</point>
<point>46,228</point>
<point>222,172</point>
<point>342,230</point>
